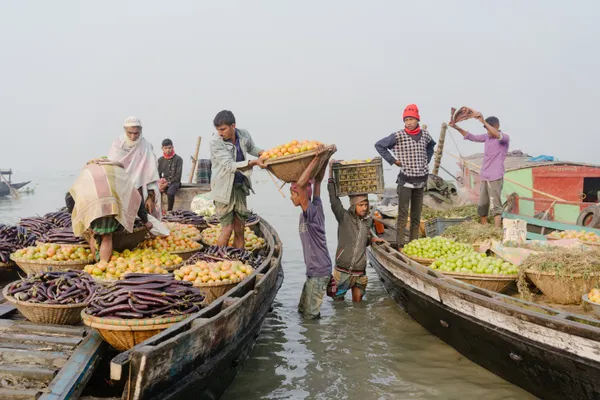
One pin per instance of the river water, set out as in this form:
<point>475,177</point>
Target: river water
<point>372,350</point>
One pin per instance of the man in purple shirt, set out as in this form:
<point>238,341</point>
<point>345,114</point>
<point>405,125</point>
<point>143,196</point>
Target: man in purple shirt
<point>492,170</point>
<point>313,238</point>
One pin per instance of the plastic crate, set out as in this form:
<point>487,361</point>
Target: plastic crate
<point>437,226</point>
<point>359,178</point>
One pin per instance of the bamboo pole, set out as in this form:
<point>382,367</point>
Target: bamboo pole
<point>195,160</point>
<point>439,149</point>
<point>511,181</point>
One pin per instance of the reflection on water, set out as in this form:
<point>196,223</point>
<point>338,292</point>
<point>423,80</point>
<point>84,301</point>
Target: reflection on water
<point>371,350</point>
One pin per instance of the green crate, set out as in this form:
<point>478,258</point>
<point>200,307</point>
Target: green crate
<point>359,178</point>
<point>437,226</point>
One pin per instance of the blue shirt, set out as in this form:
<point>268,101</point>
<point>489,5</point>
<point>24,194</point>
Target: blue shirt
<point>314,240</point>
<point>239,156</point>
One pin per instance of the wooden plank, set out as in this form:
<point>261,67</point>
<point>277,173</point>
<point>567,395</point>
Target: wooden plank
<point>6,309</point>
<point>19,394</point>
<point>33,373</point>
<point>30,327</point>
<point>49,358</point>
<point>57,340</point>
<point>72,378</point>
<point>550,224</point>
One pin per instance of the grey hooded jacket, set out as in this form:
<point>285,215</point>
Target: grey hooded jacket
<point>354,235</point>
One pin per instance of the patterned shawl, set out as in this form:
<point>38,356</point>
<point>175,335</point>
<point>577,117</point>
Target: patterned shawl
<point>102,189</point>
<point>140,163</point>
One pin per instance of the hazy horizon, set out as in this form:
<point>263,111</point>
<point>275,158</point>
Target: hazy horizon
<point>338,71</point>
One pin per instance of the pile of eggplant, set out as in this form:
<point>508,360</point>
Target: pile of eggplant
<point>216,253</point>
<point>62,236</point>
<point>36,225</point>
<point>186,217</point>
<point>146,296</point>
<point>60,219</point>
<point>60,287</point>
<point>13,238</point>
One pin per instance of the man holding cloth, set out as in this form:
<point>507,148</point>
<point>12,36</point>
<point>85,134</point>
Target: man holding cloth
<point>230,182</point>
<point>492,169</point>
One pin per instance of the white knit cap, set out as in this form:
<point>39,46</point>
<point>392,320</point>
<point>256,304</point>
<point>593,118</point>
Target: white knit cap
<point>132,121</point>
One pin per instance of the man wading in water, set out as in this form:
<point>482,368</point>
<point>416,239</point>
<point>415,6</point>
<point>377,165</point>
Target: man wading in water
<point>354,235</point>
<point>313,238</point>
<point>230,183</point>
<point>412,149</point>
<point>492,169</point>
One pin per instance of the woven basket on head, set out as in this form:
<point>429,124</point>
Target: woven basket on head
<point>57,314</point>
<point>563,289</point>
<point>32,267</point>
<point>495,283</point>
<point>123,334</point>
<point>290,168</point>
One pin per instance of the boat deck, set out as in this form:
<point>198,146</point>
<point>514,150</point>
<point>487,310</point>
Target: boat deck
<point>45,362</point>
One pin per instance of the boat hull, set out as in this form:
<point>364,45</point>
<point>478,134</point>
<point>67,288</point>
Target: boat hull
<point>543,370</point>
<point>199,357</point>
<point>5,191</point>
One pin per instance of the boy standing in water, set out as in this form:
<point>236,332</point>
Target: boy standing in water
<point>313,238</point>
<point>354,235</point>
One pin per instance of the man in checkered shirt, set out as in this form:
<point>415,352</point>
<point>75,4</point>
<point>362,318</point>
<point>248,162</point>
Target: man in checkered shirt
<point>411,149</point>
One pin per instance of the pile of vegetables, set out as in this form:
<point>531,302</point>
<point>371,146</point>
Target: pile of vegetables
<point>251,241</point>
<point>473,232</point>
<point>435,247</point>
<point>71,287</point>
<point>146,296</point>
<point>36,225</point>
<point>13,238</point>
<point>458,212</point>
<point>565,261</point>
<point>60,219</point>
<point>185,217</point>
<point>62,236</point>
<point>226,253</point>
<point>55,252</point>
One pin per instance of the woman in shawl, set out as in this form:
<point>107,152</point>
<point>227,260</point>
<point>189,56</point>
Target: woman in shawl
<point>137,156</point>
<point>102,200</point>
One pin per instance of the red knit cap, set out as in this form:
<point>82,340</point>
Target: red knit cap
<point>411,110</point>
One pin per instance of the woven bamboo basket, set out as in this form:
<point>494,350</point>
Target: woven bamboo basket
<point>591,244</point>
<point>290,168</point>
<point>420,260</point>
<point>495,283</point>
<point>64,245</point>
<point>56,314</point>
<point>563,289</point>
<point>123,334</point>
<point>213,291</point>
<point>186,254</point>
<point>32,267</point>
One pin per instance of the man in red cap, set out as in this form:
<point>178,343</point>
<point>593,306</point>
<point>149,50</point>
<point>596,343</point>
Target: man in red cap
<point>411,149</point>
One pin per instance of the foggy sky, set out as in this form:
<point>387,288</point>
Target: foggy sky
<point>337,71</point>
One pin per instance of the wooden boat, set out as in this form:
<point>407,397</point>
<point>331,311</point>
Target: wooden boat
<point>578,184</point>
<point>197,357</point>
<point>185,195</point>
<point>552,353</point>
<point>4,189</point>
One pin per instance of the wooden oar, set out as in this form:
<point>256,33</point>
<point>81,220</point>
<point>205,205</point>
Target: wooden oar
<point>510,180</point>
<point>13,191</point>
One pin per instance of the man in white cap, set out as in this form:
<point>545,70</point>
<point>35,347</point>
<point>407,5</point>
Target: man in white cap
<point>137,156</point>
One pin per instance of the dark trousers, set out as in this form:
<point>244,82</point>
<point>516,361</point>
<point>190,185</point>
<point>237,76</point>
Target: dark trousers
<point>171,191</point>
<point>413,198</point>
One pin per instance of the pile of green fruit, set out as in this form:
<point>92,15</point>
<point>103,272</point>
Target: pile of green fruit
<point>435,247</point>
<point>457,212</point>
<point>474,263</point>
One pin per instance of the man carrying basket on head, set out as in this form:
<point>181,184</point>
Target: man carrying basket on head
<point>411,149</point>
<point>230,182</point>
